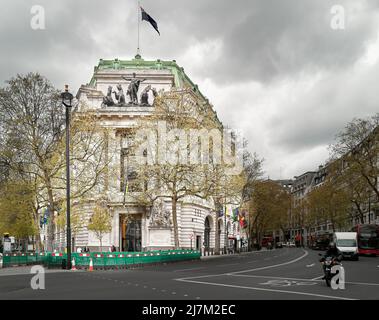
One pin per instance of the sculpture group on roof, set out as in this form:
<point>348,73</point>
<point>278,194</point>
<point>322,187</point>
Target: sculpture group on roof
<point>132,92</point>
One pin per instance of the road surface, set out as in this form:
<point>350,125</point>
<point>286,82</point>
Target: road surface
<point>288,273</point>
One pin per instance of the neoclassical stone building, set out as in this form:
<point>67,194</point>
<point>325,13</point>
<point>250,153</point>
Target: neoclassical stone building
<point>110,93</point>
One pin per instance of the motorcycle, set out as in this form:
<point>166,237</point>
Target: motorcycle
<point>327,264</point>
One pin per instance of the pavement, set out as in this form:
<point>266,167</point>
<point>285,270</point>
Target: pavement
<point>283,274</point>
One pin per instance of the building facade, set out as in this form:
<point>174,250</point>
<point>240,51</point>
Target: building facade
<point>300,187</point>
<point>121,92</point>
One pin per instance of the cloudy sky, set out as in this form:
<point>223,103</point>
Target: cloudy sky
<point>275,69</point>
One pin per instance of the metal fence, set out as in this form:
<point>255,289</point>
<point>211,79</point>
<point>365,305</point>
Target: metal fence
<point>100,259</point>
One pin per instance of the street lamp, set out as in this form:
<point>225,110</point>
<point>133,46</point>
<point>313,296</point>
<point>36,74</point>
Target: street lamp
<point>67,102</point>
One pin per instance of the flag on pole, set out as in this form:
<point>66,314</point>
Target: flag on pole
<point>148,18</point>
<point>235,214</point>
<point>242,219</point>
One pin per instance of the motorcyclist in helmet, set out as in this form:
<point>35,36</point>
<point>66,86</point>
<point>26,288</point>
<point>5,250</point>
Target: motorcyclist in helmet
<point>332,252</point>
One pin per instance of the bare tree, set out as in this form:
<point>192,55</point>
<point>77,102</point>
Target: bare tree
<point>183,168</point>
<point>357,146</point>
<point>32,127</point>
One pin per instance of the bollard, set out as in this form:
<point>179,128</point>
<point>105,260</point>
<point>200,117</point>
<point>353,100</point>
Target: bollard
<point>1,260</point>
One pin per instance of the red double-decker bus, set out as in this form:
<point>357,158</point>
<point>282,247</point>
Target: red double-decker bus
<point>368,238</point>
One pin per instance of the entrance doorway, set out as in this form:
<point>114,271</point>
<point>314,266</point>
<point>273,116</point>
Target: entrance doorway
<point>198,242</point>
<point>131,235</point>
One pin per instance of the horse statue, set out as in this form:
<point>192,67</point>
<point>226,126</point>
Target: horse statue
<point>145,94</point>
<point>119,96</point>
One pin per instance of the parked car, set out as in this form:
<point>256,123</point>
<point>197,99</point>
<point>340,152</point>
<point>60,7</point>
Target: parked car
<point>279,245</point>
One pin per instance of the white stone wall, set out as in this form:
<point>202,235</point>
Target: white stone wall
<point>191,212</point>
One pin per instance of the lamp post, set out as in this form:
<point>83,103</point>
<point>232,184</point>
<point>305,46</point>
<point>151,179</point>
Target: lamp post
<point>225,230</point>
<point>67,102</point>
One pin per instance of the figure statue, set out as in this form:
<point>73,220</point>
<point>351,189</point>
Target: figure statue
<point>166,217</point>
<point>159,217</point>
<point>119,96</point>
<point>133,88</point>
<point>145,94</point>
<point>107,100</point>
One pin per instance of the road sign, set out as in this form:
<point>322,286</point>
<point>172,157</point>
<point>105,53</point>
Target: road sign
<point>7,246</point>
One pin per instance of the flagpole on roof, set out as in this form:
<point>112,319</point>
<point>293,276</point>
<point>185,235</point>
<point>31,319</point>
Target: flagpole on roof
<point>138,18</point>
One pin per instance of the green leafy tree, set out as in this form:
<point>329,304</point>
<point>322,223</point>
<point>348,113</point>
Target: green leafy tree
<point>16,210</point>
<point>268,208</point>
<point>329,203</point>
<point>100,223</point>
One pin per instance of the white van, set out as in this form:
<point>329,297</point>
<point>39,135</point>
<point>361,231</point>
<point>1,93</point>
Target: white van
<point>346,243</point>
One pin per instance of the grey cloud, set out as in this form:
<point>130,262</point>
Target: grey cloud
<point>321,113</point>
<point>263,42</point>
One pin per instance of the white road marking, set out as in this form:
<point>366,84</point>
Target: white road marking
<point>274,265</point>
<point>249,270</point>
<point>298,279</point>
<point>265,289</point>
<point>287,283</point>
<point>189,269</point>
<point>363,283</point>
<point>270,277</point>
<point>310,265</point>
<point>20,273</point>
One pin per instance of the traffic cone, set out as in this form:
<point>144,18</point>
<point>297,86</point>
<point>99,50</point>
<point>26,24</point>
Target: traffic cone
<point>90,265</point>
<point>73,267</point>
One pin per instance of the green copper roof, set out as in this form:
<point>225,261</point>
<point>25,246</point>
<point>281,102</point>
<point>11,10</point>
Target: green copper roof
<point>181,79</point>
